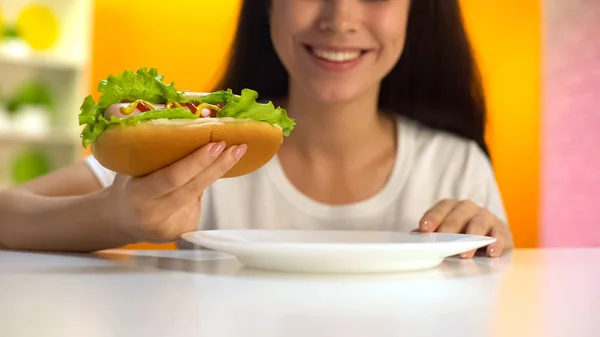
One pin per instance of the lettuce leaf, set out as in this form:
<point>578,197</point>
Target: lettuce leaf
<point>217,97</point>
<point>89,111</point>
<point>246,106</point>
<point>102,124</point>
<point>147,85</point>
<point>144,84</point>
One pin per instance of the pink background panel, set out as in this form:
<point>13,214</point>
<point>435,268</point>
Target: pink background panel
<point>571,130</point>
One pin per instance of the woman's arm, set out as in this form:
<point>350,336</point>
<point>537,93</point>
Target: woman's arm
<point>69,211</point>
<point>59,211</point>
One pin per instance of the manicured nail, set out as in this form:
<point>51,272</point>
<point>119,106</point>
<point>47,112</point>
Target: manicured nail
<point>216,149</point>
<point>425,225</point>
<point>492,251</point>
<point>240,151</point>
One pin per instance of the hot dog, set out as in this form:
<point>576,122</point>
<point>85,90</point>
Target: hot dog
<point>140,124</point>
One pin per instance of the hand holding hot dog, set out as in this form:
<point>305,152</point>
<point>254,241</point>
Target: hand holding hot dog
<point>167,146</point>
<point>163,205</point>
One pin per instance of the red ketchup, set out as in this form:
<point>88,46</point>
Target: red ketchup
<point>142,107</point>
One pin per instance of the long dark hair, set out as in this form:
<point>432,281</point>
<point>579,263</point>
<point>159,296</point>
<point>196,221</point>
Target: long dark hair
<point>436,81</point>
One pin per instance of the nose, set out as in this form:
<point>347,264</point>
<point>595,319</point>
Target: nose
<point>339,16</point>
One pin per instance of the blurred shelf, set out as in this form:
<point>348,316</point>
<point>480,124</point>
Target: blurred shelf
<point>65,68</point>
<point>42,61</point>
<point>52,138</point>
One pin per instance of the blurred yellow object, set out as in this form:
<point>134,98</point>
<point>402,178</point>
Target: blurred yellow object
<point>38,26</point>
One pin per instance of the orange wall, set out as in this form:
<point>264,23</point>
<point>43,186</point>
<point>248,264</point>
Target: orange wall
<point>173,36</point>
<point>507,37</point>
<point>505,33</point>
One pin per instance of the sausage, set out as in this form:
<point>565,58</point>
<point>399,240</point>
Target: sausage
<point>115,110</point>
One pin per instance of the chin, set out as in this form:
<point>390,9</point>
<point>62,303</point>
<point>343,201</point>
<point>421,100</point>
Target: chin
<point>332,93</point>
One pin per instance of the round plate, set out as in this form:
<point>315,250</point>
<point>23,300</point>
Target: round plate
<point>319,251</point>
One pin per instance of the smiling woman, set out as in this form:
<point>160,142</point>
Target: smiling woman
<point>338,66</point>
<point>409,61</point>
<point>390,118</point>
<point>512,52</point>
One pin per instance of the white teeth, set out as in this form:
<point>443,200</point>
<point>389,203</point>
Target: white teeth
<point>336,56</point>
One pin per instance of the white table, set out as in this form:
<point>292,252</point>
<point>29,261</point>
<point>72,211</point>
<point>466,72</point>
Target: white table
<point>203,293</point>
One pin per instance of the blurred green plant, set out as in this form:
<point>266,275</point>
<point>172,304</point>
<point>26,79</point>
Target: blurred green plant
<point>30,93</point>
<point>29,165</point>
<point>10,32</point>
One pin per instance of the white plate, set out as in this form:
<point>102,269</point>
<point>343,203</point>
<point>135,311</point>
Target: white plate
<point>320,251</point>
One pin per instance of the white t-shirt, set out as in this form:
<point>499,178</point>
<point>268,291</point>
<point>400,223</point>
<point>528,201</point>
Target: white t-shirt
<point>430,165</point>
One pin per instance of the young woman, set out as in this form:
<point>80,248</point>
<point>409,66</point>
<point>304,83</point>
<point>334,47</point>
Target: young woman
<point>389,136</point>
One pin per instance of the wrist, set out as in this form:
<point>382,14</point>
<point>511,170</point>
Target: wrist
<point>107,216</point>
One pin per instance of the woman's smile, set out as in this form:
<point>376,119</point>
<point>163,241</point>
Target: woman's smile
<point>336,59</point>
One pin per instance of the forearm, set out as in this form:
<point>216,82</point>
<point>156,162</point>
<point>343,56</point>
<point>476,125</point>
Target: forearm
<point>33,222</point>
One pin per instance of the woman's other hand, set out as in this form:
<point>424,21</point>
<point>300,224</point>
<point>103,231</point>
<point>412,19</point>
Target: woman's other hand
<point>455,216</point>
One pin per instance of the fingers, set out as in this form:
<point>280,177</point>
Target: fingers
<point>435,215</point>
<point>500,233</point>
<point>192,190</point>
<point>488,224</point>
<point>449,216</point>
<point>459,217</point>
<point>176,175</point>
<point>481,224</point>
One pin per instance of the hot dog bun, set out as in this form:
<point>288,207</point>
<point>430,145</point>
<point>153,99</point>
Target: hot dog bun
<point>138,150</point>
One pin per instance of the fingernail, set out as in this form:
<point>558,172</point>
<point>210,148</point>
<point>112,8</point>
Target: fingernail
<point>493,251</point>
<point>425,225</point>
<point>240,151</point>
<point>216,150</point>
<point>463,255</point>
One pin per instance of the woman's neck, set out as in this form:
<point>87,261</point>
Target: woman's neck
<point>340,131</point>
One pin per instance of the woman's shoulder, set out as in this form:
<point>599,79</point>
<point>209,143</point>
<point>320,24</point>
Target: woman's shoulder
<point>428,143</point>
